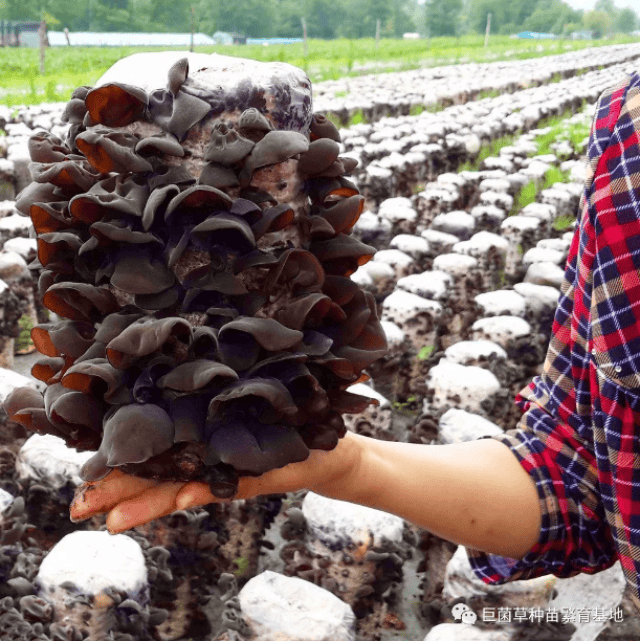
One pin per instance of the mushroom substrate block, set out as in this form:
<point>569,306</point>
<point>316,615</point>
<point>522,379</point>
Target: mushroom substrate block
<point>194,238</point>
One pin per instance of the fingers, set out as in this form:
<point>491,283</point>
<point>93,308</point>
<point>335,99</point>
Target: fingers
<point>195,494</point>
<point>289,478</point>
<point>101,496</point>
<point>149,505</point>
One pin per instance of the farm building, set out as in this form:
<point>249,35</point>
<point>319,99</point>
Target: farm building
<point>272,41</point>
<point>533,35</point>
<point>19,33</point>
<point>90,39</point>
<point>582,35</point>
<point>226,38</point>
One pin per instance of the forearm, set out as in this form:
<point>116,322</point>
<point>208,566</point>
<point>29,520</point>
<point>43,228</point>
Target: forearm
<point>475,494</point>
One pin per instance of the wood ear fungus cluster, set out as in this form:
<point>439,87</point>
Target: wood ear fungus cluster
<point>207,329</point>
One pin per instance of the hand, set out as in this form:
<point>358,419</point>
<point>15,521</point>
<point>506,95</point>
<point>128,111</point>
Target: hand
<point>132,501</point>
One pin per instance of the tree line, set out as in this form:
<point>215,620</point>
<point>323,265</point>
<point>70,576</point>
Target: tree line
<point>324,18</point>
<point>456,17</point>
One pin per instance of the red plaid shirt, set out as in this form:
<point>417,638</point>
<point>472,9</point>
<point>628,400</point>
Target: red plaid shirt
<point>577,437</point>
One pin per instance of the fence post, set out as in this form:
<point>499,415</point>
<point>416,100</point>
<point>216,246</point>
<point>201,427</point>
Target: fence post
<point>377,33</point>
<point>42,38</point>
<point>193,26</point>
<point>486,34</point>
<point>304,35</point>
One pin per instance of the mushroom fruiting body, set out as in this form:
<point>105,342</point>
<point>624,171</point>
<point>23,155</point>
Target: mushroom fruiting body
<point>194,239</point>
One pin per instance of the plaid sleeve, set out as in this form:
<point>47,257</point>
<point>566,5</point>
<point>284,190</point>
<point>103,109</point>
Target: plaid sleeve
<point>574,535</point>
<point>554,440</point>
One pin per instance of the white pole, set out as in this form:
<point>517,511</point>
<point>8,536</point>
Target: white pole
<point>377,33</point>
<point>486,35</point>
<point>42,38</point>
<point>193,26</point>
<point>304,35</point>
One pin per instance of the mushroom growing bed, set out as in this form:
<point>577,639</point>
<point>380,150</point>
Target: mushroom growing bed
<point>267,333</point>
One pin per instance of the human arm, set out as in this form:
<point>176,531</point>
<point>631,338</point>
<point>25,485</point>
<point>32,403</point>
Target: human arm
<point>474,493</point>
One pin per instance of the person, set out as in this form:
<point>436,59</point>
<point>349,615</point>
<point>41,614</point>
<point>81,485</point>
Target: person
<point>558,494</point>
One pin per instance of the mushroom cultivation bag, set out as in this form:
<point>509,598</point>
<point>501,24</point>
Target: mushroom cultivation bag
<point>194,243</point>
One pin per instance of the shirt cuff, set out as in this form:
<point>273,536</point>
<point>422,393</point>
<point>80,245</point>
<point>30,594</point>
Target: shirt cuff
<point>542,559</point>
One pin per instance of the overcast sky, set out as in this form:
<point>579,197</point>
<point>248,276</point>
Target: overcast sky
<point>587,5</point>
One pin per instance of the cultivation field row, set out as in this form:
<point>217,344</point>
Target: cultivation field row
<point>399,155</point>
<point>369,98</point>
<point>69,67</point>
<point>471,211</point>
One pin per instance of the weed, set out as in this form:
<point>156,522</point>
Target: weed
<point>403,407</point>
<point>564,222</point>
<point>417,188</point>
<point>24,342</point>
<point>425,352</point>
<point>51,91</point>
<point>335,120</point>
<point>33,94</point>
<point>356,118</point>
<point>416,110</point>
<point>243,563</point>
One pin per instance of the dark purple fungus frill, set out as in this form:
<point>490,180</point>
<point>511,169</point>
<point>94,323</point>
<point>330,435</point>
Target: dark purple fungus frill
<point>195,244</point>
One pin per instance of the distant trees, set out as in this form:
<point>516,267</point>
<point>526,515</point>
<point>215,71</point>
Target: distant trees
<point>443,17</point>
<point>507,16</point>
<point>324,18</point>
<point>598,22</point>
<point>551,16</point>
<point>626,21</point>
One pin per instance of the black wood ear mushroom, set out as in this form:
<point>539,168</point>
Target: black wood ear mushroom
<point>194,241</point>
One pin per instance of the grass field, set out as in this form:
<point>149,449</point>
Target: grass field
<point>69,67</point>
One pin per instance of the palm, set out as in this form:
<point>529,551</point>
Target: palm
<point>132,501</point>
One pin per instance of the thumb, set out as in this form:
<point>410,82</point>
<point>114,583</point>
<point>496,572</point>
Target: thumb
<point>195,494</point>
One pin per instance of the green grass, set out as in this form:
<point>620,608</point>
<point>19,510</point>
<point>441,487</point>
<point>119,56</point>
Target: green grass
<point>529,193</point>
<point>488,151</point>
<point>69,67</point>
<point>524,197</point>
<point>356,118</point>
<point>573,132</point>
<point>488,93</point>
<point>554,175</point>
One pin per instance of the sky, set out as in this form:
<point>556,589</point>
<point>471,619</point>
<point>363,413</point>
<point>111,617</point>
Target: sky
<point>587,5</point>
